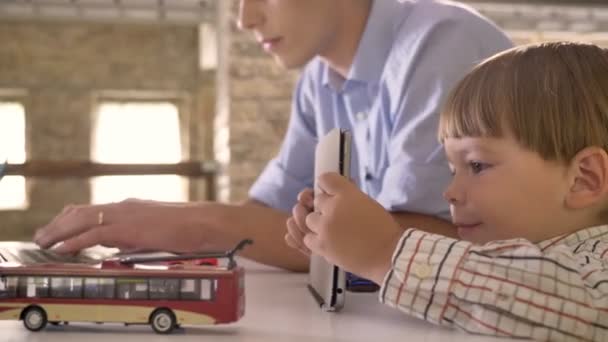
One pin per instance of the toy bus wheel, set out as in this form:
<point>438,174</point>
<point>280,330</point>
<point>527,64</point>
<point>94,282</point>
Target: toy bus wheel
<point>163,321</point>
<point>34,319</point>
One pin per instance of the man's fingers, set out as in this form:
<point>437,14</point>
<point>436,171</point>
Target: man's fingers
<point>40,237</point>
<point>73,221</point>
<point>110,235</point>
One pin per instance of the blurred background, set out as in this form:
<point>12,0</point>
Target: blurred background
<point>101,100</point>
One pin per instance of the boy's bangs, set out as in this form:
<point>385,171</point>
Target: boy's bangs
<point>475,106</point>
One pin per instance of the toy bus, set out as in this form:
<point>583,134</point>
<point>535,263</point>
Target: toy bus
<point>159,291</point>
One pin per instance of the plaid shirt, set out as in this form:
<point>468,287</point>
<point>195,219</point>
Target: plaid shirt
<point>553,290</point>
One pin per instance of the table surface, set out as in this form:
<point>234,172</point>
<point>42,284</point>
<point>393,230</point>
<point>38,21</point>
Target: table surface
<point>278,308</point>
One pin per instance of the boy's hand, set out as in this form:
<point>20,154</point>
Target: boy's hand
<point>350,229</point>
<point>296,225</point>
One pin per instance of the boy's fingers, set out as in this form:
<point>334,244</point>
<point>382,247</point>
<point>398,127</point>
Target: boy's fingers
<point>313,222</point>
<point>291,243</point>
<point>294,230</point>
<point>333,183</point>
<point>306,197</point>
<point>299,216</point>
<point>321,201</point>
<point>312,242</point>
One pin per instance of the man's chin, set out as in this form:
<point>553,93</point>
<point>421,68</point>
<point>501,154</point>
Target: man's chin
<point>289,63</point>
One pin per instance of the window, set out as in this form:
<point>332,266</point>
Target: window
<point>207,289</point>
<point>164,288</point>
<point>33,287</point>
<point>65,287</point>
<point>131,288</point>
<point>99,288</point>
<point>137,132</point>
<point>8,287</point>
<point>197,289</point>
<point>12,149</point>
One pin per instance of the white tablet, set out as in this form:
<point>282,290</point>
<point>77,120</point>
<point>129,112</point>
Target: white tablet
<point>327,282</point>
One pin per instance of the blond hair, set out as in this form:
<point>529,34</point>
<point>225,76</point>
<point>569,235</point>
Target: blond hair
<point>552,97</point>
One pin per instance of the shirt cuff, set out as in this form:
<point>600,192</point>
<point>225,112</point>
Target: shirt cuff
<point>423,268</point>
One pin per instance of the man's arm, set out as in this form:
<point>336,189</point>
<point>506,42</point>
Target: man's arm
<point>264,225</point>
<point>133,225</point>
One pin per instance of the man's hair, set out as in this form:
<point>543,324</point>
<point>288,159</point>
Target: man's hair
<point>552,97</point>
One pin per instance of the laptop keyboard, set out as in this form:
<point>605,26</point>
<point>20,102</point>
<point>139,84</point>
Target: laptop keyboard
<point>43,256</point>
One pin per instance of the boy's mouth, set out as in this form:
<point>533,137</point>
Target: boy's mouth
<point>466,225</point>
<point>464,229</point>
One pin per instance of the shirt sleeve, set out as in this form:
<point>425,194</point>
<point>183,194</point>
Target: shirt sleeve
<point>506,288</point>
<point>291,170</point>
<point>440,55</point>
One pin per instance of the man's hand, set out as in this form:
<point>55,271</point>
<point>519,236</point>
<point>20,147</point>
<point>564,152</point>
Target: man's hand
<point>350,229</point>
<point>128,225</point>
<point>296,225</point>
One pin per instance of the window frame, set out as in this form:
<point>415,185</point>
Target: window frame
<point>20,96</point>
<point>180,99</point>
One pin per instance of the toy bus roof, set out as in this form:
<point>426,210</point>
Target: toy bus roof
<point>114,270</point>
<point>97,261</point>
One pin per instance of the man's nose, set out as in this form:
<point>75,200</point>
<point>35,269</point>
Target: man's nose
<point>249,16</point>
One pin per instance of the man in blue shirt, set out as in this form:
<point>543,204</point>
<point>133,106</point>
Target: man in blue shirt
<point>379,68</point>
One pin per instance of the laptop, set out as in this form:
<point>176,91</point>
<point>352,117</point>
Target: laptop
<point>327,282</point>
<point>28,253</point>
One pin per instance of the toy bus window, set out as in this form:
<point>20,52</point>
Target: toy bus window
<point>164,288</point>
<point>242,283</point>
<point>131,288</point>
<point>99,288</point>
<point>8,287</point>
<point>66,287</point>
<point>207,289</point>
<point>197,289</point>
<point>33,287</point>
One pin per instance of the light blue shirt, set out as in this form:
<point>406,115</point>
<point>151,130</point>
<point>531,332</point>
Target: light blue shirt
<point>410,56</point>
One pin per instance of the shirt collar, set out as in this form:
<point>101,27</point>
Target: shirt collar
<point>575,238</point>
<point>374,47</point>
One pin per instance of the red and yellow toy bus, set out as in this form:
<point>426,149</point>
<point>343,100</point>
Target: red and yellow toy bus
<point>141,290</point>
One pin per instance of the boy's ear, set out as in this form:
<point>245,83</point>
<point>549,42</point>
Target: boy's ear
<point>589,185</point>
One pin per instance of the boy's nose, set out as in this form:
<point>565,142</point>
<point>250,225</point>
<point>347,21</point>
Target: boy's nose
<point>452,194</point>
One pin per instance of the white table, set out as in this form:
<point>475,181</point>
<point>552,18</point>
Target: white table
<point>279,308</point>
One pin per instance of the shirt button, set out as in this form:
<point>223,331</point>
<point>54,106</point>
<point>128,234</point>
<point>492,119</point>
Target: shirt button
<point>501,296</point>
<point>423,271</point>
<point>360,116</point>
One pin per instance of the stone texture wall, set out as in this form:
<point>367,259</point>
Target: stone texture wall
<point>260,97</point>
<point>532,23</point>
<point>64,68</point>
<point>261,93</point>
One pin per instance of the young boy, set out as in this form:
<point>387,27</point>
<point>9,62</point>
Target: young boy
<point>526,136</point>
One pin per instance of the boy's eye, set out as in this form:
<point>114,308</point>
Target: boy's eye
<point>477,167</point>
